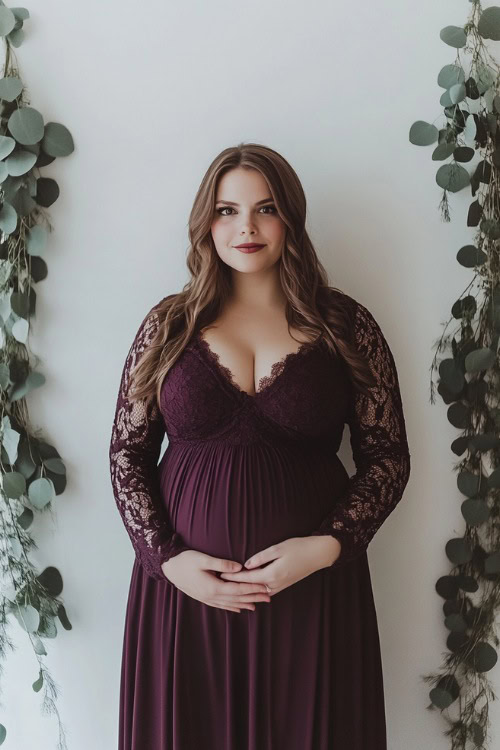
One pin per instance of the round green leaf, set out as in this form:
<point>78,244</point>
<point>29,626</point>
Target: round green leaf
<point>457,93</point>
<point>483,657</point>
<point>458,415</point>
<point>451,375</point>
<point>480,359</point>
<point>489,24</point>
<point>3,734</point>
<point>55,465</point>
<point>51,580</point>
<point>14,484</point>
<point>459,550</point>
<point>456,623</point>
<point>21,13</point>
<point>475,511</point>
<point>16,37</point>
<point>485,78</point>
<point>26,125</point>
<point>468,483</point>
<point>38,646</point>
<point>447,587</point>
<point>443,151</point>
<point>450,75</point>
<point>8,218</point>
<point>470,256</point>
<point>7,21</point>
<point>57,140</point>
<point>455,36</point>
<point>20,162</point>
<point>7,145</point>
<point>423,133</point>
<point>10,88</point>
<point>452,177</point>
<point>20,330</point>
<point>41,492</point>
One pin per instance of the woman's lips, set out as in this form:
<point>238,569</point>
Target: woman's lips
<point>252,249</point>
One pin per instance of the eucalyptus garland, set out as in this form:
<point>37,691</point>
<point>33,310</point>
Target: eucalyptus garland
<point>32,471</point>
<point>469,378</point>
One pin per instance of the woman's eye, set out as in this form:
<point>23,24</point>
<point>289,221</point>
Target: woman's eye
<point>228,208</point>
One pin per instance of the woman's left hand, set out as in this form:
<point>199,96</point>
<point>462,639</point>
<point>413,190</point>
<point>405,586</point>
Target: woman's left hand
<point>288,562</point>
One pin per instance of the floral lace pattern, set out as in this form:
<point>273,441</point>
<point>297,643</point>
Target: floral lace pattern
<point>379,446</point>
<point>266,381</point>
<point>136,439</point>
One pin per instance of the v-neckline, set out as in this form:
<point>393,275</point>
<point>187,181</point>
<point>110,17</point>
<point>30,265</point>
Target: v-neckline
<point>266,382</point>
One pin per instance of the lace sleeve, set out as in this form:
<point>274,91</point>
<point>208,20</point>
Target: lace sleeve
<point>136,439</point>
<point>379,447</point>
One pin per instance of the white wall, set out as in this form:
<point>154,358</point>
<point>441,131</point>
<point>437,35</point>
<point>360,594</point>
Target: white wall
<point>151,93</point>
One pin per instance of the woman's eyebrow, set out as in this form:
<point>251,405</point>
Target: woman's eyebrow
<point>232,203</point>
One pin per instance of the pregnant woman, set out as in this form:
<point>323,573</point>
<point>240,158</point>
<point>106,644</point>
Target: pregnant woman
<point>250,621</point>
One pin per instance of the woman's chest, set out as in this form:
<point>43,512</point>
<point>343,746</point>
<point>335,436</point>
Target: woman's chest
<point>306,394</point>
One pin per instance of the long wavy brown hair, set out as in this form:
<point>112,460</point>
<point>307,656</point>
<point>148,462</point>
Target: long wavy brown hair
<point>310,304</point>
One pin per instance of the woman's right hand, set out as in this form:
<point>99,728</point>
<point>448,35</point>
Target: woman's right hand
<point>191,572</point>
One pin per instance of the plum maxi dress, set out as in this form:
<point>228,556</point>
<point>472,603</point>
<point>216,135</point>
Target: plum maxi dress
<point>242,472</point>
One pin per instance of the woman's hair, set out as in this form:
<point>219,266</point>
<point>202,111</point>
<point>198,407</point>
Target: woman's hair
<point>310,304</point>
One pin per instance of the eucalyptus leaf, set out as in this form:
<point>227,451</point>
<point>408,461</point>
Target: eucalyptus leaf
<point>55,465</point>
<point>456,623</point>
<point>14,484</point>
<point>452,177</point>
<point>475,511</point>
<point>470,256</point>
<point>26,518</point>
<point>38,646</point>
<point>7,21</point>
<point>20,330</point>
<point>8,218</point>
<point>26,125</point>
<point>480,359</point>
<point>468,483</point>
<point>449,75</point>
<point>16,37</point>
<point>489,24</point>
<point>443,151</point>
<point>423,133</point>
<point>457,93</point>
<point>10,88</point>
<point>7,144</point>
<point>483,657</point>
<point>41,492</point>
<point>458,414</point>
<point>10,443</point>
<point>452,375</point>
<point>485,77</point>
<point>455,36</point>
<point>57,140</point>
<point>3,734</point>
<point>20,162</point>
<point>459,550</point>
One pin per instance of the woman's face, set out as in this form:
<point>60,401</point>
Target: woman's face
<point>245,212</point>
